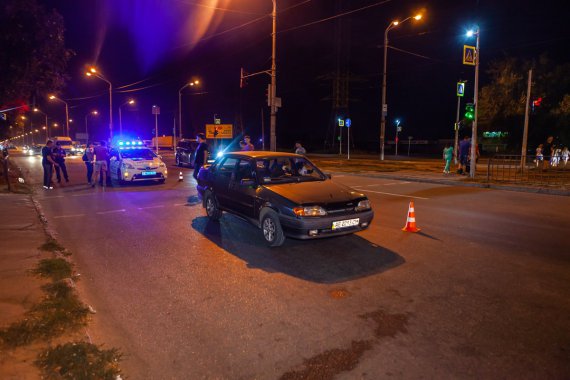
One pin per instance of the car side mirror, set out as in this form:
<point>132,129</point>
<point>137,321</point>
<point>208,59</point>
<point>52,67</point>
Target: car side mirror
<point>247,182</point>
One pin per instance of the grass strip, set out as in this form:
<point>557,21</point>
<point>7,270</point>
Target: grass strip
<point>56,269</point>
<point>79,360</point>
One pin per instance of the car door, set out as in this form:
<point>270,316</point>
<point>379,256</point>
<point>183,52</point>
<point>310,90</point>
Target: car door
<point>244,195</point>
<point>222,179</point>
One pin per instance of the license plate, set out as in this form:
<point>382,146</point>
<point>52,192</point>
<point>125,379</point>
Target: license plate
<point>345,223</point>
<point>148,173</point>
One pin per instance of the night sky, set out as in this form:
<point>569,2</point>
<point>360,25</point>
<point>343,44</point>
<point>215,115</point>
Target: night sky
<point>153,47</point>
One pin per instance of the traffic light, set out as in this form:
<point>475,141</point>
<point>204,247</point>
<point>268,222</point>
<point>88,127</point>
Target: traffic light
<point>469,111</point>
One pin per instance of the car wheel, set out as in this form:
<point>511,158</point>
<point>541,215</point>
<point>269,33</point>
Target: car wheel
<point>178,162</point>
<point>271,228</point>
<point>161,181</point>
<point>212,209</point>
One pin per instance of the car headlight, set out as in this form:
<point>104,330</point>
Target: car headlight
<point>126,165</point>
<point>363,205</point>
<point>309,211</point>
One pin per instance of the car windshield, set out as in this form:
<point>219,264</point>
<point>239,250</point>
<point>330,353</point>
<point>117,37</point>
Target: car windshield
<point>287,169</point>
<point>141,154</point>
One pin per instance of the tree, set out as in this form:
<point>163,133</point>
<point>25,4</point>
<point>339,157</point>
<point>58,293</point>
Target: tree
<point>34,58</point>
<point>502,102</point>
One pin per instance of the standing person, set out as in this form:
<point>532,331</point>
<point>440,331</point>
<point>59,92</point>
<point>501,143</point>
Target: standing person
<point>101,157</point>
<point>464,148</point>
<point>565,155</point>
<point>201,156</point>
<point>59,158</point>
<point>547,151</point>
<point>447,157</point>
<point>539,156</point>
<point>89,158</point>
<point>246,144</point>
<point>48,163</point>
<point>299,149</point>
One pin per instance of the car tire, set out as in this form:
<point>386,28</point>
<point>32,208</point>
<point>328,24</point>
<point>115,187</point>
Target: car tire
<point>161,181</point>
<point>178,162</point>
<point>211,205</point>
<point>271,228</point>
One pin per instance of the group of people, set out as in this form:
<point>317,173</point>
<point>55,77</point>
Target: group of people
<point>550,154</point>
<point>95,157</point>
<point>464,151</point>
<point>53,157</point>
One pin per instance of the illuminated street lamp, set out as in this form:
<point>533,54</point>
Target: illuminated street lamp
<point>189,84</point>
<point>53,97</point>
<point>46,128</point>
<point>94,113</point>
<point>131,102</point>
<point>93,72</point>
<point>473,168</point>
<point>384,109</point>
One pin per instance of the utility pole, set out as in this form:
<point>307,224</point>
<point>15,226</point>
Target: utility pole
<point>476,106</point>
<point>526,116</point>
<point>273,119</point>
<point>262,130</point>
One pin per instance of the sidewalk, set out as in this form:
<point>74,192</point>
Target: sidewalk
<point>21,234</point>
<point>426,170</point>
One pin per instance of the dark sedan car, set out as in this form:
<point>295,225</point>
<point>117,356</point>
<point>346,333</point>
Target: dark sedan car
<point>283,194</point>
<point>185,150</point>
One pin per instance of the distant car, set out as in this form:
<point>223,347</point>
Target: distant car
<point>78,149</point>
<point>34,150</point>
<point>185,151</point>
<point>136,163</point>
<point>283,194</point>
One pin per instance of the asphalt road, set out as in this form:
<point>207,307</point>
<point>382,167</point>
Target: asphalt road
<point>483,291</point>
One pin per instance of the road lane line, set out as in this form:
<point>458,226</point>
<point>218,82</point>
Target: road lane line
<point>180,204</point>
<point>145,208</point>
<point>82,195</point>
<point>392,194</point>
<point>68,216</point>
<point>52,197</point>
<point>395,183</point>
<point>110,211</point>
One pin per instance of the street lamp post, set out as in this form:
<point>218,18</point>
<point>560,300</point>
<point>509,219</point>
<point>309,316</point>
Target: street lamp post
<point>273,106</point>
<point>130,101</point>
<point>384,109</point>
<point>95,113</point>
<point>192,83</point>
<point>53,97</point>
<point>93,72</point>
<point>473,168</point>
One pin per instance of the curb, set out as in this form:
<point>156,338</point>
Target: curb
<point>523,189</point>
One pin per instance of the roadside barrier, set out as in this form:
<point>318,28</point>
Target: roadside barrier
<point>531,170</point>
<point>411,220</point>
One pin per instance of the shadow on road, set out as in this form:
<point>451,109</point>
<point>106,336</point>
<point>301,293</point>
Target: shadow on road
<point>330,260</point>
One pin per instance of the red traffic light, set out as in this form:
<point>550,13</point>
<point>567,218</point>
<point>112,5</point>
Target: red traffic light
<point>537,102</point>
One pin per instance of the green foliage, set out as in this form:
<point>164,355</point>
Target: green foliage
<point>34,57</point>
<point>59,311</point>
<point>79,360</point>
<point>52,246</point>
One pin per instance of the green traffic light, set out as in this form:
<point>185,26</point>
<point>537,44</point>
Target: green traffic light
<point>469,111</point>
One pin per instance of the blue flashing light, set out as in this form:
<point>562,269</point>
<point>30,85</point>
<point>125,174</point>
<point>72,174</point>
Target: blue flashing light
<point>121,143</point>
<point>134,143</point>
<point>140,143</point>
<point>220,154</point>
<point>128,143</point>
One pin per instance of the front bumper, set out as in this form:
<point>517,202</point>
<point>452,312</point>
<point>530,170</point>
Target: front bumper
<point>320,227</point>
<point>135,175</point>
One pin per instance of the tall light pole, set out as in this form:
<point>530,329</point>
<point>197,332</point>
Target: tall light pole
<point>94,113</point>
<point>131,102</point>
<point>473,168</point>
<point>192,83</point>
<point>272,105</point>
<point>93,72</point>
<point>384,109</point>
<point>46,124</point>
<point>53,97</point>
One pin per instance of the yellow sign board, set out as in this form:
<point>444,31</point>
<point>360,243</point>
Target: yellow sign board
<point>219,131</point>
<point>469,55</point>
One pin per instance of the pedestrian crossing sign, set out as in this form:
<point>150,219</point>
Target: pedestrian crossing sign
<point>469,53</point>
<point>460,88</point>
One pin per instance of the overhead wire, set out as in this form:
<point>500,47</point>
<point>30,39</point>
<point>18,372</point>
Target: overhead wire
<point>216,8</point>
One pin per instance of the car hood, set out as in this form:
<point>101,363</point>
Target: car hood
<point>315,192</point>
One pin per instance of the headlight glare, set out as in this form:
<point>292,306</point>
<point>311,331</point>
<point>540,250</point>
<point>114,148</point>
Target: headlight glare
<point>309,211</point>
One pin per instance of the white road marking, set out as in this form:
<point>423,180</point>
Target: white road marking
<point>395,183</point>
<point>392,194</point>
<point>180,204</point>
<point>145,208</point>
<point>339,175</point>
<point>82,195</point>
<point>111,211</point>
<point>53,196</point>
<point>68,216</point>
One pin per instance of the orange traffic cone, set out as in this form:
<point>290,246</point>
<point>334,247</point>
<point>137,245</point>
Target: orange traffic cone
<point>411,221</point>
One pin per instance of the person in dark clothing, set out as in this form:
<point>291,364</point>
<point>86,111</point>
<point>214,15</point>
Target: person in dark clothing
<point>89,159</point>
<point>547,148</point>
<point>59,158</point>
<point>48,163</point>
<point>464,148</point>
<point>201,156</point>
